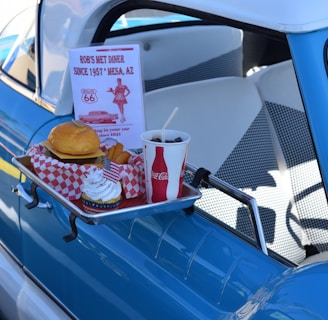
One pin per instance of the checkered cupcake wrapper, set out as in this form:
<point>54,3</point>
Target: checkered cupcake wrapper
<point>65,178</point>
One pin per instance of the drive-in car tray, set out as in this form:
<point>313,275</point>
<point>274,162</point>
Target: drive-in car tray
<point>130,208</point>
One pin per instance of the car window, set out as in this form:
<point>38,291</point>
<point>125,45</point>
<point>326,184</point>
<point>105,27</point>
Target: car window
<point>144,17</point>
<point>20,62</point>
<point>191,49</point>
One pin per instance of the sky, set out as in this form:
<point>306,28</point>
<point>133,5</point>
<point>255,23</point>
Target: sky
<point>9,8</point>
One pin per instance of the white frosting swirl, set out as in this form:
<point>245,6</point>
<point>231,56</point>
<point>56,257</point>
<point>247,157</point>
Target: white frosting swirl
<point>97,187</point>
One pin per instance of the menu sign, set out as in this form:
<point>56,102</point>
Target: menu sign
<point>108,91</point>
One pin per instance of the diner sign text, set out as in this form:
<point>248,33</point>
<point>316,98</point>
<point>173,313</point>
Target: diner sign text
<point>108,91</point>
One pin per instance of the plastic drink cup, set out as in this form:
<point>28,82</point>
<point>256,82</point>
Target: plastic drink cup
<point>164,164</point>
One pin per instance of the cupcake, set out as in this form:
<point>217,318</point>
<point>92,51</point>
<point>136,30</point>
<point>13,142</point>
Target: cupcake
<point>100,194</point>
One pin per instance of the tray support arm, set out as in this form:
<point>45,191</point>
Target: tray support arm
<point>71,236</point>
<point>200,177</point>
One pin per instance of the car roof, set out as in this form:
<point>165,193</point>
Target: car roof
<point>290,16</point>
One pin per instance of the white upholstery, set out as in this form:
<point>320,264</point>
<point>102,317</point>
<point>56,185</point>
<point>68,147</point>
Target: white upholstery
<point>278,83</point>
<point>168,51</point>
<point>207,110</point>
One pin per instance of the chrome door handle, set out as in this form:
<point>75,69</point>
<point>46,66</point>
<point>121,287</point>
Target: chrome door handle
<point>20,191</point>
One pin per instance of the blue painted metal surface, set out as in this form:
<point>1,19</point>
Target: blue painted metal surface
<point>286,298</point>
<point>313,81</point>
<point>182,263</point>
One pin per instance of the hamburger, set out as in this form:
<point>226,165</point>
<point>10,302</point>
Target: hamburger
<point>74,138</point>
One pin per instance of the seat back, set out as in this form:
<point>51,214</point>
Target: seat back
<point>279,90</point>
<point>187,54</point>
<point>207,110</point>
<point>231,137</point>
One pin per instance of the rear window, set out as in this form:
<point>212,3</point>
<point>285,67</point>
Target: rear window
<point>145,17</point>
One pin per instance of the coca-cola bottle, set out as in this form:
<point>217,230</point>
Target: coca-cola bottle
<point>159,176</point>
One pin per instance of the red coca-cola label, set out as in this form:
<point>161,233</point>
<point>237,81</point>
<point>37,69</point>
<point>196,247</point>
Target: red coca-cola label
<point>159,176</point>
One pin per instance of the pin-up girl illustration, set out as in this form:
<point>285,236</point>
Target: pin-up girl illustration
<point>120,92</point>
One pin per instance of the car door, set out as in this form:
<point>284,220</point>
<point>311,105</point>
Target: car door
<point>16,88</point>
<point>23,123</point>
<point>33,235</point>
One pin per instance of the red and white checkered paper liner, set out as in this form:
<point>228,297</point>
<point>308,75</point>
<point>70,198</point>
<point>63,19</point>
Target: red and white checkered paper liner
<point>66,178</point>
<point>131,174</point>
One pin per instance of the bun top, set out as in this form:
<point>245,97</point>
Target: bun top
<point>75,138</point>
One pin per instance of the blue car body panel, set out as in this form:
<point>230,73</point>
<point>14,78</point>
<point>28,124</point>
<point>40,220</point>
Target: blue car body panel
<point>311,47</point>
<point>14,109</point>
<point>132,259</point>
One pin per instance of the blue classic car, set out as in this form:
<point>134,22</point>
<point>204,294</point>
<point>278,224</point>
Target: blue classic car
<point>251,241</point>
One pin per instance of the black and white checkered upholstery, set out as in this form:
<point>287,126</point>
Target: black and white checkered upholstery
<point>279,90</point>
<point>253,168</point>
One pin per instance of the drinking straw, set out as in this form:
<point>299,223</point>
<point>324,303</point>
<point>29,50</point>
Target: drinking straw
<point>168,121</point>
